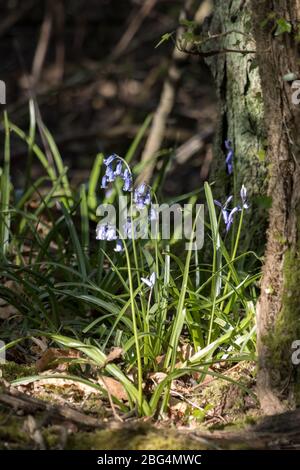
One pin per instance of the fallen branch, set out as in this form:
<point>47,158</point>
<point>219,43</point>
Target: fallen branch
<point>11,397</point>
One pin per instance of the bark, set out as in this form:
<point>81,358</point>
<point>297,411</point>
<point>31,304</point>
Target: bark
<point>240,112</point>
<point>278,313</point>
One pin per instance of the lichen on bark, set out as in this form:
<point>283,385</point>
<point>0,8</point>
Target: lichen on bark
<point>278,311</point>
<point>241,113</point>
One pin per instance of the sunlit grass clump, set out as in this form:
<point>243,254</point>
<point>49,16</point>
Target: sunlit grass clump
<point>90,288</point>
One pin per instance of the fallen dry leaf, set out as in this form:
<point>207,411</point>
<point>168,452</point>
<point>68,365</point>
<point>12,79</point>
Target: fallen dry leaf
<point>47,359</point>
<point>157,377</point>
<point>113,387</point>
<point>6,310</point>
<point>114,354</point>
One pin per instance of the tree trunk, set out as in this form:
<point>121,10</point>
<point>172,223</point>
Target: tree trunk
<point>278,314</point>
<point>241,112</point>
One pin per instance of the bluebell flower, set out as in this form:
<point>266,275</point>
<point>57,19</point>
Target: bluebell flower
<point>101,231</point>
<point>243,194</point>
<point>119,168</point>
<point>107,161</point>
<point>224,208</point>
<point>127,228</point>
<point>227,213</point>
<point>142,196</point>
<point>140,190</point>
<point>230,217</point>
<point>111,233</point>
<point>110,174</point>
<point>119,246</point>
<point>229,157</point>
<point>149,281</point>
<point>127,180</point>
<point>106,232</point>
<point>112,170</point>
<point>104,182</point>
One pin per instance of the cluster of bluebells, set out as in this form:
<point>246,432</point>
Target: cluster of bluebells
<point>116,167</point>
<point>227,213</point>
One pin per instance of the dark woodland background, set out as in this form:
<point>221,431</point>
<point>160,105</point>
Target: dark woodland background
<point>97,74</point>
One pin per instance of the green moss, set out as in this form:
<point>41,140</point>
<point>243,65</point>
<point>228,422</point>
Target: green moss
<point>231,397</point>
<point>141,437</point>
<point>286,330</point>
<point>11,371</point>
<point>51,437</point>
<point>12,435</point>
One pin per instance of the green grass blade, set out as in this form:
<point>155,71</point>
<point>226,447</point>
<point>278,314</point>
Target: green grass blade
<point>5,192</point>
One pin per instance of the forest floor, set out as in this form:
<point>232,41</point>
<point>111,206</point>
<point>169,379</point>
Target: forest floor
<point>62,414</point>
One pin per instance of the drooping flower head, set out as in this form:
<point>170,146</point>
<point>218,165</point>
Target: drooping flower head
<point>114,168</point>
